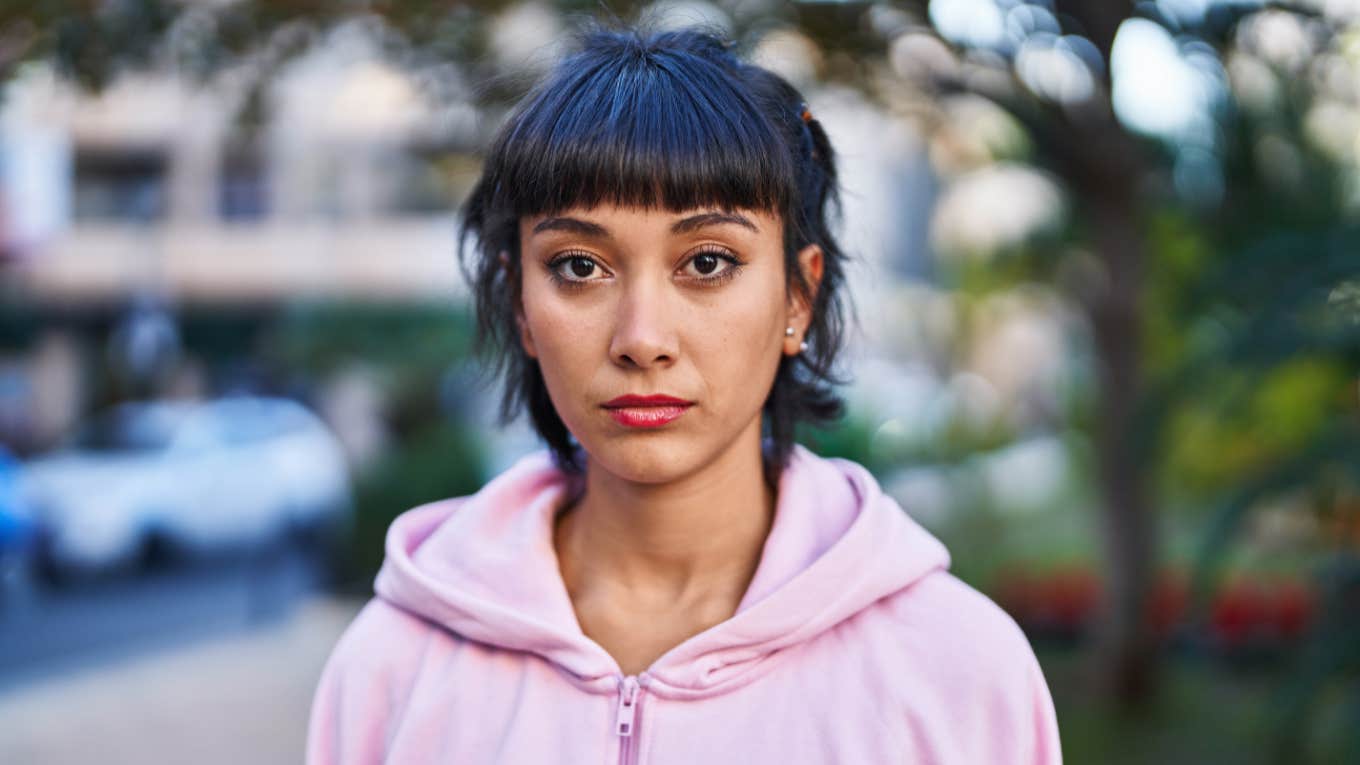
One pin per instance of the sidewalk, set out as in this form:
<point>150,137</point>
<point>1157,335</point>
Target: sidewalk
<point>242,699</point>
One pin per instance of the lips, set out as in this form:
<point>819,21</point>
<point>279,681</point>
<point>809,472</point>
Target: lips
<point>639,401</point>
<point>646,411</point>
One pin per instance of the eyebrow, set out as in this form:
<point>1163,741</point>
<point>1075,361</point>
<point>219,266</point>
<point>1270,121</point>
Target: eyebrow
<point>682,226</point>
<point>572,226</point>
<point>694,222</point>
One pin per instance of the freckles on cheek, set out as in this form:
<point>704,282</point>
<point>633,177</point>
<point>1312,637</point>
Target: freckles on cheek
<point>742,336</point>
<point>565,333</point>
<point>557,356</point>
<point>545,313</point>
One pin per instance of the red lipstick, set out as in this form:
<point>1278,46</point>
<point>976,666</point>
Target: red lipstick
<point>646,411</point>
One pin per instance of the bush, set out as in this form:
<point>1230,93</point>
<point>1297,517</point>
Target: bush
<point>444,460</point>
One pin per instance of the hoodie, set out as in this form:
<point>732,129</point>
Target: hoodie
<point>853,644</point>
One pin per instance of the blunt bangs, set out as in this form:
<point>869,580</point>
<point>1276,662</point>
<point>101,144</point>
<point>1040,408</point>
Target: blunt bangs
<point>640,125</point>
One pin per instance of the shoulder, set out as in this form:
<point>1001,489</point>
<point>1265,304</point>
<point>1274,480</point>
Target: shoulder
<point>364,686</point>
<point>976,666</point>
<point>940,602</point>
<point>381,642</point>
<point>970,640</point>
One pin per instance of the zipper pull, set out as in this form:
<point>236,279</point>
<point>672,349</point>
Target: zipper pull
<point>627,705</point>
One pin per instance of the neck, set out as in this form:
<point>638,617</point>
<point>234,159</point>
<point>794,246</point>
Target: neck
<point>692,542</point>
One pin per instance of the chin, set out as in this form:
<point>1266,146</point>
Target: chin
<point>647,457</point>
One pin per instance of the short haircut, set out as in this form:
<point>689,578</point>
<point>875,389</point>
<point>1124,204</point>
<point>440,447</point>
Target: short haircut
<point>668,120</point>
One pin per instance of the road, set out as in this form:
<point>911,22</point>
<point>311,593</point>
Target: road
<point>214,665</point>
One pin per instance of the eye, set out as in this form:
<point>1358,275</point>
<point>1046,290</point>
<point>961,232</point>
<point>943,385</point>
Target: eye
<point>711,265</point>
<point>575,268</point>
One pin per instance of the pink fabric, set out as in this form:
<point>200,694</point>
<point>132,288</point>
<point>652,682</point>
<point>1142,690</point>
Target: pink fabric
<point>853,644</point>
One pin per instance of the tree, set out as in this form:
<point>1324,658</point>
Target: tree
<point>1052,68</point>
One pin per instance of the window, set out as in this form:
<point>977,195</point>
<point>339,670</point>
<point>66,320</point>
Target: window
<point>242,190</point>
<point>120,184</point>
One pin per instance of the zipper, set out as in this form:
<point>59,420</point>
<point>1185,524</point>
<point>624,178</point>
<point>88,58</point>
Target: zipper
<point>625,723</point>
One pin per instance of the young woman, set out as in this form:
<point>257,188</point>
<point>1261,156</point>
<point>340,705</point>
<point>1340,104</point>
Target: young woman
<point>673,580</point>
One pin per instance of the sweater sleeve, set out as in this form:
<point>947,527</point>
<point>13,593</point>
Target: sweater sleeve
<point>988,700</point>
<point>364,687</point>
<point>1018,722</point>
<point>1047,748</point>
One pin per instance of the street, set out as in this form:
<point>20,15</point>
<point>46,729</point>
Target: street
<point>206,666</point>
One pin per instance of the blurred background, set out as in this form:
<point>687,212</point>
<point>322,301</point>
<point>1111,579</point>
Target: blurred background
<point>1108,349</point>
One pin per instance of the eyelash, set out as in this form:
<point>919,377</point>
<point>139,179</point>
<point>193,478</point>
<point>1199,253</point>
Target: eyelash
<point>734,265</point>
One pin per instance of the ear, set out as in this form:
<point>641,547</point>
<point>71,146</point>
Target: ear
<point>800,305</point>
<point>526,339</point>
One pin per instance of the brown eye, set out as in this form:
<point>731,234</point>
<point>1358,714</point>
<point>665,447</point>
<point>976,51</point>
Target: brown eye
<point>706,264</point>
<point>576,269</point>
<point>582,268</point>
<point>711,266</point>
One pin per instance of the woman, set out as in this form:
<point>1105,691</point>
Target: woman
<point>673,580</point>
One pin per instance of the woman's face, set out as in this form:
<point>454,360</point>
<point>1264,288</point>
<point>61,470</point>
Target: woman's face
<point>620,301</point>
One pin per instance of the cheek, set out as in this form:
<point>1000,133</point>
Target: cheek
<point>567,339</point>
<point>736,338</point>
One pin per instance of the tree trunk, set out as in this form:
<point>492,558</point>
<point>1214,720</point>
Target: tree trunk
<point>1105,168</point>
<point>1126,649</point>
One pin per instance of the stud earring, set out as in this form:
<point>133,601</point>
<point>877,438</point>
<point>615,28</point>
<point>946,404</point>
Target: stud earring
<point>802,347</point>
<point>788,332</point>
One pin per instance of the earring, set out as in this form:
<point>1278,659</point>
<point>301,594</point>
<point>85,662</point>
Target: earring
<point>788,332</point>
<point>802,347</point>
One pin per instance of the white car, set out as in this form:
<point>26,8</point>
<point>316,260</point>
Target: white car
<point>201,477</point>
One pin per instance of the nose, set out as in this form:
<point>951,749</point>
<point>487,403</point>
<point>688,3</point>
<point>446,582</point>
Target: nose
<point>644,332</point>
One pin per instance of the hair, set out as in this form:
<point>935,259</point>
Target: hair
<point>667,120</point>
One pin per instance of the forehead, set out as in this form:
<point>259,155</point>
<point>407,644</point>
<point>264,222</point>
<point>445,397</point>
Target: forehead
<point>613,221</point>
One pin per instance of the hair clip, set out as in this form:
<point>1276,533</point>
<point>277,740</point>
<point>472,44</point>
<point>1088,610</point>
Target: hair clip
<point>806,113</point>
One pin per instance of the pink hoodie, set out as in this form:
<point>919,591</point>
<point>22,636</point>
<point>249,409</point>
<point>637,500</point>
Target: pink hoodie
<point>853,644</point>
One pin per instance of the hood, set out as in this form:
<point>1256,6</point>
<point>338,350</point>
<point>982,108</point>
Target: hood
<point>483,566</point>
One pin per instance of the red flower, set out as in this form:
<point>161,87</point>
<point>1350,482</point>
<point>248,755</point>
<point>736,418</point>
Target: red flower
<point>1068,598</point>
<point>1167,602</point>
<point>1240,608</point>
<point>1015,591</point>
<point>1291,609</point>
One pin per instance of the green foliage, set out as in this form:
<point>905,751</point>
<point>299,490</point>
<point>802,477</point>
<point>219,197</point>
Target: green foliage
<point>1179,251</point>
<point>19,325</point>
<point>89,42</point>
<point>324,336</point>
<point>1329,665</point>
<point>1255,360</point>
<point>221,335</point>
<point>849,439</point>
<point>1297,398</point>
<point>444,460</point>
<point>1200,714</point>
<point>1250,421</point>
<point>880,447</point>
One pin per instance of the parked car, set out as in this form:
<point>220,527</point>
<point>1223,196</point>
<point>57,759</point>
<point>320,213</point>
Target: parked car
<point>192,477</point>
<point>17,535</point>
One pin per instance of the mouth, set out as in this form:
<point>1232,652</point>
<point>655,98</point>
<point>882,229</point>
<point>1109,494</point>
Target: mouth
<point>646,411</point>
